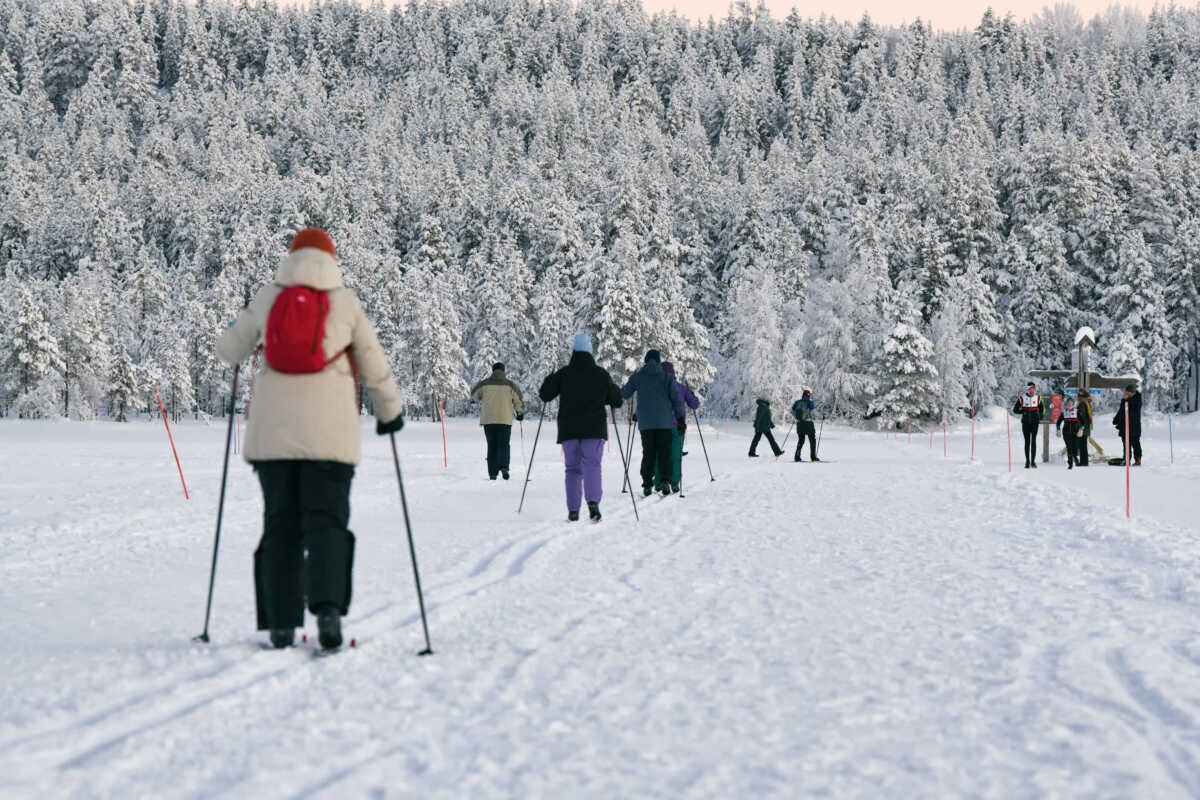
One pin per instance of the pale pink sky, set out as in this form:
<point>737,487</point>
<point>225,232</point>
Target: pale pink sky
<point>942,14</point>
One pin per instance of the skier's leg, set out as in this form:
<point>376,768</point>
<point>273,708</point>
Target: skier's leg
<point>504,446</point>
<point>573,458</point>
<point>649,459</point>
<point>754,442</point>
<point>279,557</point>
<point>799,441</point>
<point>325,514</point>
<point>1135,445</point>
<point>811,432</point>
<point>591,451</point>
<point>775,448</point>
<point>663,448</point>
<point>489,432</point>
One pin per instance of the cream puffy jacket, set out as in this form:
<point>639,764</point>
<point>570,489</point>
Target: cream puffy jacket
<point>500,398</point>
<point>312,416</point>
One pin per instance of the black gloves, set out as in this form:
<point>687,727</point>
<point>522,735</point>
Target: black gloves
<point>384,428</point>
<point>682,428</point>
<point>633,418</point>
<point>520,417</point>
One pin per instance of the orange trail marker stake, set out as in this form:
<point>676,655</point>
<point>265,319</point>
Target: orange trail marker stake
<point>445,455</point>
<point>171,439</point>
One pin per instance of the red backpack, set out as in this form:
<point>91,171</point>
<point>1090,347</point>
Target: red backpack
<point>296,331</point>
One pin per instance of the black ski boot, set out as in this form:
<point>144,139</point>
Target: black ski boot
<point>664,489</point>
<point>674,488</point>
<point>647,491</point>
<point>282,637</point>
<point>572,516</point>
<point>594,511</point>
<point>329,627</point>
<point>814,458</point>
<point>504,473</point>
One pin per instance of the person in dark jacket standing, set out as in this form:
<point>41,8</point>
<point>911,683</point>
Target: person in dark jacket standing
<point>1029,406</point>
<point>1133,401</point>
<point>762,427</point>
<point>1071,431</point>
<point>660,411</point>
<point>500,401</point>
<point>1085,429</point>
<point>584,390</point>
<point>690,401</point>
<point>802,410</point>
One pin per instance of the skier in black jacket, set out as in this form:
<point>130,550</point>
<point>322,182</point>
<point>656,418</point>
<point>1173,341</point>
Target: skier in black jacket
<point>1072,431</point>
<point>1132,400</point>
<point>1029,405</point>
<point>584,390</point>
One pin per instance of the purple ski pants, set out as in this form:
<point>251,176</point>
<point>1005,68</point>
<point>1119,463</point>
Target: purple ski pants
<point>582,457</point>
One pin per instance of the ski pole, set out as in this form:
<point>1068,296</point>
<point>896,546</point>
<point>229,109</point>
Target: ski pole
<point>529,469</point>
<point>212,575</point>
<point>783,447</point>
<point>627,453</point>
<point>521,424</point>
<point>625,462</point>
<point>820,432</point>
<point>700,431</point>
<point>412,550</point>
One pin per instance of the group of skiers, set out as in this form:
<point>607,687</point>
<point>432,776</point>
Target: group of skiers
<point>302,438</point>
<point>1074,425</point>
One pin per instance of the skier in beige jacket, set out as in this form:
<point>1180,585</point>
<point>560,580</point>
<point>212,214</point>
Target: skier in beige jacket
<point>302,438</point>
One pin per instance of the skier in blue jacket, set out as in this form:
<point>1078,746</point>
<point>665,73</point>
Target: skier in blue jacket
<point>802,410</point>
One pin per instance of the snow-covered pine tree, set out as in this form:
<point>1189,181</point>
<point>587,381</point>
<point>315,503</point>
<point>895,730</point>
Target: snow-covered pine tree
<point>912,388</point>
<point>34,360</point>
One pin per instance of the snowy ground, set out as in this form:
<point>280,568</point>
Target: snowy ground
<point>892,624</point>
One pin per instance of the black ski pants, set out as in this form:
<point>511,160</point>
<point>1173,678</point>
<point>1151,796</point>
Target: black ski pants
<point>806,428</point>
<point>498,439</point>
<point>1030,432</point>
<point>758,435</point>
<point>306,552</point>
<point>1135,446</point>
<point>1070,434</point>
<point>656,451</point>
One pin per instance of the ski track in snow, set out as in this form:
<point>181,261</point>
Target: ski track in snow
<point>892,624</point>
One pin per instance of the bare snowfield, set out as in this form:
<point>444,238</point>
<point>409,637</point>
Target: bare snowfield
<point>894,623</point>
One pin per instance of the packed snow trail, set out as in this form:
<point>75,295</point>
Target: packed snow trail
<point>893,624</point>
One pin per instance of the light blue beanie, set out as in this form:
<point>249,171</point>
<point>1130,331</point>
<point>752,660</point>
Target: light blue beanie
<point>582,344</point>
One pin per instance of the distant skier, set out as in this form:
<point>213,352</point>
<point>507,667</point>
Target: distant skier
<point>501,400</point>
<point>1085,429</point>
<point>1133,401</point>
<point>689,401</point>
<point>660,415</point>
<point>1069,427</point>
<point>762,427</point>
<point>802,410</point>
<point>584,389</point>
<point>302,434</point>
<point>1029,405</point>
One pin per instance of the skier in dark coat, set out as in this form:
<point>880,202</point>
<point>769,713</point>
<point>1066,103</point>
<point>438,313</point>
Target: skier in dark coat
<point>1085,429</point>
<point>1133,401</point>
<point>802,410</point>
<point>660,412</point>
<point>1070,428</point>
<point>1029,405</point>
<point>584,390</point>
<point>690,400</point>
<point>762,427</point>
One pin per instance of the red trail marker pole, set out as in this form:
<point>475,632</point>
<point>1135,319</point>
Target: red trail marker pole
<point>445,455</point>
<point>1127,461</point>
<point>910,431</point>
<point>945,447</point>
<point>171,439</point>
<point>1008,426</point>
<point>972,433</point>
<point>931,424</point>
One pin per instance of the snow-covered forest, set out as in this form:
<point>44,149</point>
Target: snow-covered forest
<point>905,220</point>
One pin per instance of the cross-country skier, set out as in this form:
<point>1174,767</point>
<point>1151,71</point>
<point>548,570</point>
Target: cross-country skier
<point>1133,401</point>
<point>1085,429</point>
<point>762,427</point>
<point>302,433</point>
<point>1029,406</point>
<point>584,390</point>
<point>690,401</point>
<point>660,415</point>
<point>1071,430</point>
<point>802,410</point>
<point>501,400</point>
